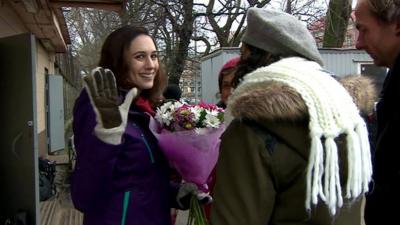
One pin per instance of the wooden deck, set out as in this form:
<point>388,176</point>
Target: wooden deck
<point>54,213</point>
<point>59,209</point>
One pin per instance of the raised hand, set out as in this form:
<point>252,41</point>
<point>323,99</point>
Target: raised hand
<point>102,89</point>
<point>110,113</point>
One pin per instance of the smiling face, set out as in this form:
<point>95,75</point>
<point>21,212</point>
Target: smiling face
<point>142,60</point>
<point>378,38</point>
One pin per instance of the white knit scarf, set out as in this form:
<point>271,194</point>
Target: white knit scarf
<point>332,113</point>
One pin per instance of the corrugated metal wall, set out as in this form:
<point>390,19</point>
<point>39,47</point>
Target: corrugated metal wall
<point>210,67</point>
<point>343,62</point>
<point>340,62</point>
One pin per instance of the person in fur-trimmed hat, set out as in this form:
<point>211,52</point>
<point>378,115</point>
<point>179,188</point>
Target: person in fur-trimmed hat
<point>363,90</point>
<point>356,84</point>
<point>297,150</point>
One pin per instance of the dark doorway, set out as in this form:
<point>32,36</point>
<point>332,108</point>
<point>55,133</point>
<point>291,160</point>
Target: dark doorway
<point>18,139</point>
<point>378,74</point>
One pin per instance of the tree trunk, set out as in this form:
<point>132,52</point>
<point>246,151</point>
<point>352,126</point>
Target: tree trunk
<point>336,22</point>
<point>184,31</point>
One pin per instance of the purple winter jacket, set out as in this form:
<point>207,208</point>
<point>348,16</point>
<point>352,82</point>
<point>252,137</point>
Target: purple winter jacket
<point>126,184</point>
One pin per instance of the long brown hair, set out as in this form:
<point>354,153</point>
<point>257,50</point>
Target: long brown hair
<point>112,57</point>
<point>256,59</point>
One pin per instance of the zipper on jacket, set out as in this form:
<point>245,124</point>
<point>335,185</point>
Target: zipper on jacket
<point>125,205</point>
<point>145,143</point>
<point>148,148</point>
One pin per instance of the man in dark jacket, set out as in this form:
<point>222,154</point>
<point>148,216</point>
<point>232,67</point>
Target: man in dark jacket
<point>378,23</point>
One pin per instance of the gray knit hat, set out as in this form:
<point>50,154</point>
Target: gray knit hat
<point>280,34</point>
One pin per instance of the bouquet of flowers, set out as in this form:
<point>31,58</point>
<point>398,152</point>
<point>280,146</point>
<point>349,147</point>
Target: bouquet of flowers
<point>189,137</point>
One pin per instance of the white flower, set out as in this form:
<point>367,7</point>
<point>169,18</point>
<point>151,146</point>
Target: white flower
<point>212,121</point>
<point>212,112</point>
<point>196,112</point>
<point>164,118</point>
<point>201,116</point>
<point>164,113</point>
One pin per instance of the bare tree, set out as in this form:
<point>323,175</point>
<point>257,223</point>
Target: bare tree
<point>177,31</point>
<point>336,22</point>
<point>176,25</point>
<point>227,18</point>
<point>138,12</point>
<point>184,19</point>
<point>228,33</point>
<point>88,29</point>
<point>308,11</point>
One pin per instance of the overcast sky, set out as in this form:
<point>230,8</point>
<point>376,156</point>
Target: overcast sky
<point>354,3</point>
<point>275,4</point>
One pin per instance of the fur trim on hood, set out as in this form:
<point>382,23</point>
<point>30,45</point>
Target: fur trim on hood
<point>362,90</point>
<point>274,101</point>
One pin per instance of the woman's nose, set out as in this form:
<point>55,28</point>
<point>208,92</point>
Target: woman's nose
<point>150,62</point>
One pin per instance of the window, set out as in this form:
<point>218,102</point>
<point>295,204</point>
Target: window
<point>378,74</point>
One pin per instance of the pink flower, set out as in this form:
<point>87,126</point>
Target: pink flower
<point>181,116</point>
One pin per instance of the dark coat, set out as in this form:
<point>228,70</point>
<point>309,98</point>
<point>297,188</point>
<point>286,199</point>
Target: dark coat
<point>127,182</point>
<point>386,186</point>
<point>261,171</point>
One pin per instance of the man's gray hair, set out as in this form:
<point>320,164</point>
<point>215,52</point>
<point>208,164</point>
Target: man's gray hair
<point>386,10</point>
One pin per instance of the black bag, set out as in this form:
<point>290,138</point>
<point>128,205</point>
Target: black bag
<point>20,218</point>
<point>47,170</point>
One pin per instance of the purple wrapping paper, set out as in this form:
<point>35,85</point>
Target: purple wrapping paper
<point>192,154</point>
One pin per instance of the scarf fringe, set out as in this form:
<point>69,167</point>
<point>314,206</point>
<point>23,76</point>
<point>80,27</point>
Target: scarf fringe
<point>332,113</point>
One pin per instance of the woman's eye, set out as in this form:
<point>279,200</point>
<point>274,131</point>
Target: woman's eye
<point>142,57</point>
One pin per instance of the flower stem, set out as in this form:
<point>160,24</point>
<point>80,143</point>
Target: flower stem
<point>196,213</point>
